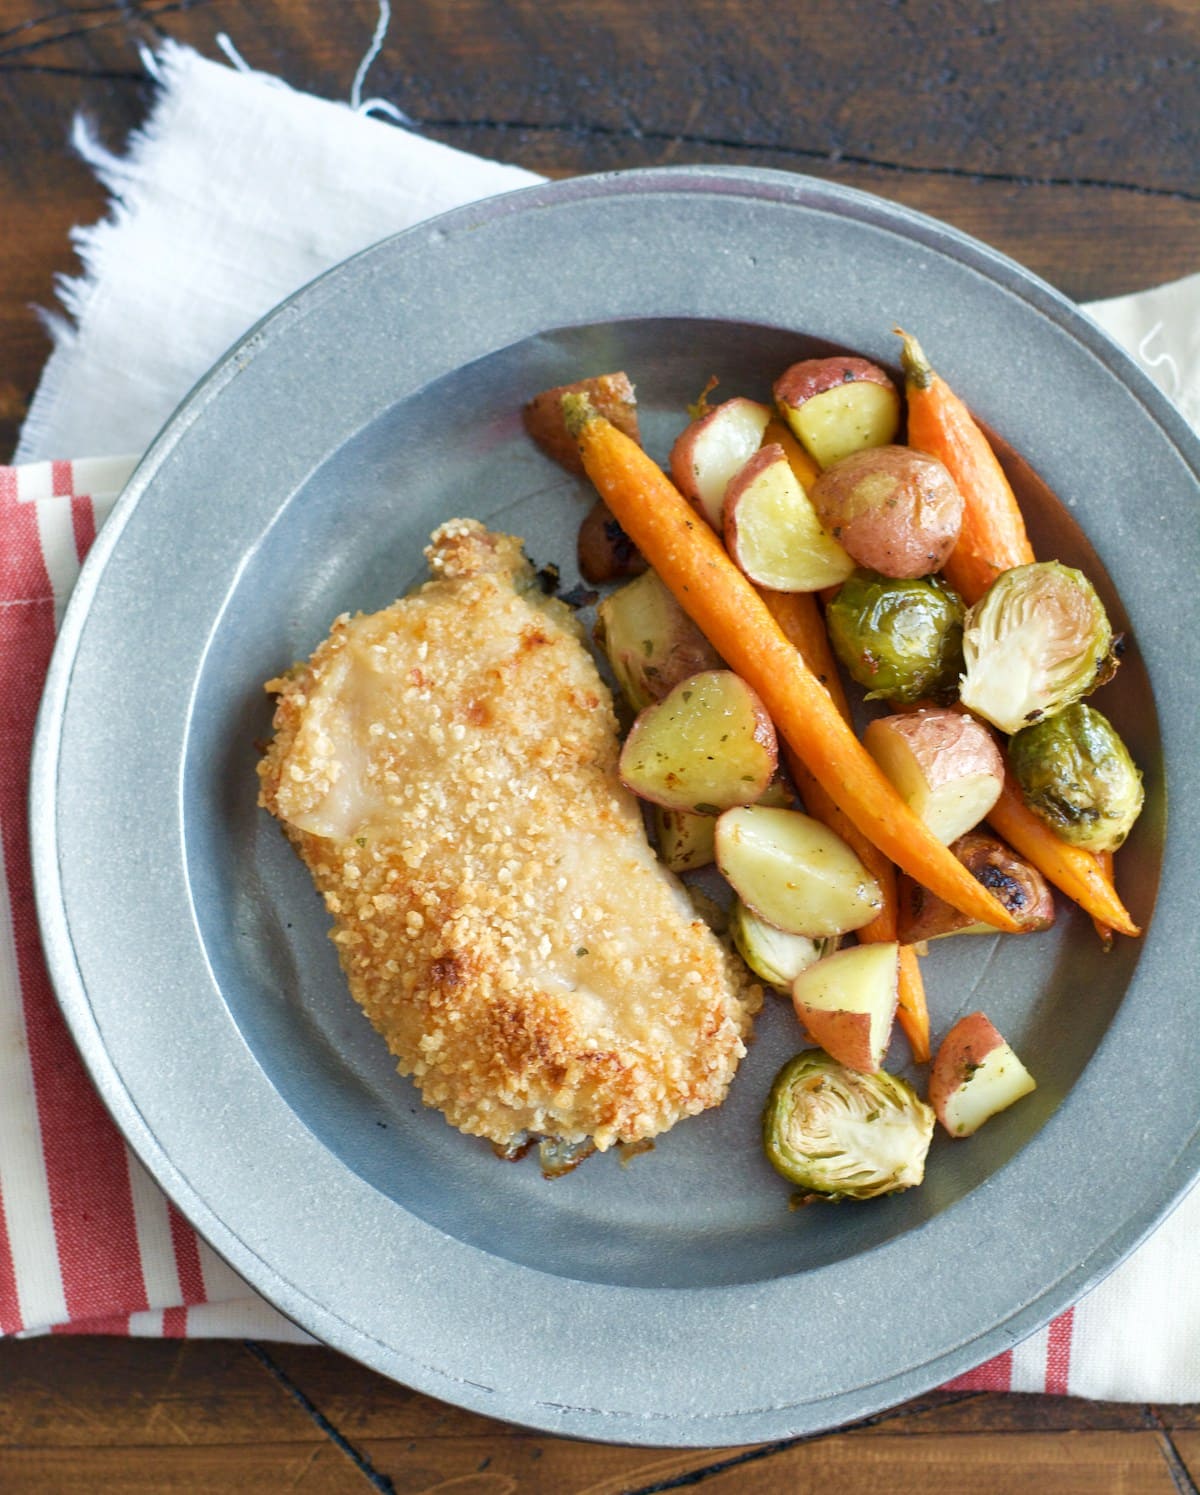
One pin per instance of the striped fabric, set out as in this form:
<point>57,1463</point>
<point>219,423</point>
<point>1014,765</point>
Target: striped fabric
<point>88,1242</point>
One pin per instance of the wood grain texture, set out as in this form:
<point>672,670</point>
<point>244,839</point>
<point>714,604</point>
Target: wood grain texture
<point>109,1415</point>
<point>1064,134</point>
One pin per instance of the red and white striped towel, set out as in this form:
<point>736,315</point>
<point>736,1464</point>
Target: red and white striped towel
<point>247,189</point>
<point>88,1243</point>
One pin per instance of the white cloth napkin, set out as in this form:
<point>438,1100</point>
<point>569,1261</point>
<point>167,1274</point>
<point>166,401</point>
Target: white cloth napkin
<point>237,191</point>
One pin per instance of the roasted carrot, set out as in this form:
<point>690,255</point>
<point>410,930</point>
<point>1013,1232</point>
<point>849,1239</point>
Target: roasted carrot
<point>804,469</point>
<point>1077,872</point>
<point>1104,861</point>
<point>692,563</point>
<point>801,622</point>
<point>993,537</point>
<point>992,540</point>
<point>913,1013</point>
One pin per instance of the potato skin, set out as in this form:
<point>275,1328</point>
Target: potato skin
<point>611,394</point>
<point>605,552</point>
<point>813,376</point>
<point>947,744</point>
<point>895,510</point>
<point>962,1051</point>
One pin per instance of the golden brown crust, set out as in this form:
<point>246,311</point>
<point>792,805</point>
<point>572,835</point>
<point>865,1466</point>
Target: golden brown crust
<point>447,770</point>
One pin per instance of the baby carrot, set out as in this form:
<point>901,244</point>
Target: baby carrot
<point>1104,861</point>
<point>798,617</point>
<point>992,540</point>
<point>993,537</point>
<point>692,563</point>
<point>1077,872</point>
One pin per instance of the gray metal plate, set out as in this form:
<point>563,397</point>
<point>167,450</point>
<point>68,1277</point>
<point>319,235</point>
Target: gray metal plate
<point>676,1301</point>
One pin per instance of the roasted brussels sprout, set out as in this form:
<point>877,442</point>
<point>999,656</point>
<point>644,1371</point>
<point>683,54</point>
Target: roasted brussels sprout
<point>1076,773</point>
<point>844,1135</point>
<point>1036,641</point>
<point>902,640</point>
<point>774,956</point>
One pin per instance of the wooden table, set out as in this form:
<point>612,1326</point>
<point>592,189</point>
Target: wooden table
<point>1066,134</point>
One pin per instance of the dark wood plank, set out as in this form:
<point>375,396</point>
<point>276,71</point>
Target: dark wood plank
<point>1079,1463</point>
<point>1064,135</point>
<point>126,1410</point>
<point>88,1392</point>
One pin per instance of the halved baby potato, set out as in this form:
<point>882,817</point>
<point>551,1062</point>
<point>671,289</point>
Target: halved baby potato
<point>794,872</point>
<point>706,746</point>
<point>838,405</point>
<point>848,1002</point>
<point>650,641</point>
<point>897,511</point>
<point>772,530</point>
<point>709,452</point>
<point>944,765</point>
<point>612,395</point>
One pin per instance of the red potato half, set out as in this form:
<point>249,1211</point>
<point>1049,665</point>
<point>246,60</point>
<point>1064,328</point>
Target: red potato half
<point>604,551</point>
<point>944,764</point>
<point>611,394</point>
<point>772,530</point>
<point>895,510</point>
<point>706,746</point>
<point>848,1003</point>
<point>794,872</point>
<point>837,406</point>
<point>712,450</point>
<point>974,1075</point>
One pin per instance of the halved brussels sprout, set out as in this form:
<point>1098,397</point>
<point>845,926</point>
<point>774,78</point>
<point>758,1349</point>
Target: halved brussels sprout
<point>1076,773</point>
<point>844,1135</point>
<point>774,956</point>
<point>902,640</point>
<point>1036,641</point>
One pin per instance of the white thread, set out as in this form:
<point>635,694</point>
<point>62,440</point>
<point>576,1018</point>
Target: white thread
<point>383,106</point>
<point>150,62</point>
<point>84,139</point>
<point>1164,358</point>
<point>232,53</point>
<point>369,56</point>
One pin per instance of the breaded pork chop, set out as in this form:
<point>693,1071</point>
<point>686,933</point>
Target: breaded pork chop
<point>447,769</point>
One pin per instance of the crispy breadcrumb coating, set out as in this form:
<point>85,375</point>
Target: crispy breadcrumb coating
<point>447,769</point>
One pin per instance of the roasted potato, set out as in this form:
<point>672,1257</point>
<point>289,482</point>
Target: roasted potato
<point>706,746</point>
<point>838,405</point>
<point>708,453</point>
<point>944,765</point>
<point>896,511</point>
<point>605,551</point>
<point>611,394</point>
